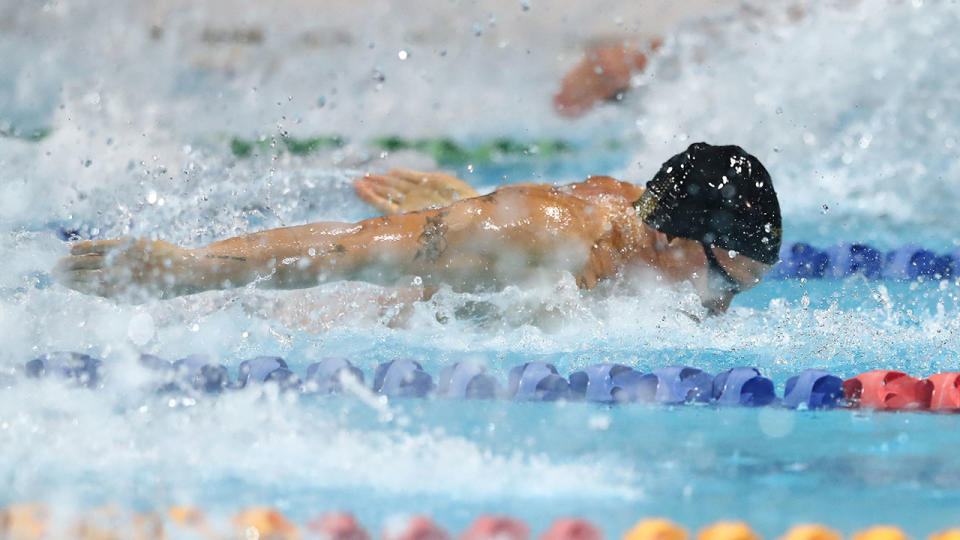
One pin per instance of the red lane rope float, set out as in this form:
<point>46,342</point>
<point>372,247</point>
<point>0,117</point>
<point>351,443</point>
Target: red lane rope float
<point>886,389</point>
<point>946,391</point>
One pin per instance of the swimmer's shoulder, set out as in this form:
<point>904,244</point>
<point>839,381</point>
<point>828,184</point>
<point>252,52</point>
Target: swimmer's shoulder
<point>605,186</point>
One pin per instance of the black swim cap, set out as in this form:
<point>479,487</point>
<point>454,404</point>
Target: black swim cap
<point>718,195</point>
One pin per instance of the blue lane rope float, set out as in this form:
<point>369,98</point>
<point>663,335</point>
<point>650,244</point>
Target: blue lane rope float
<point>683,384</point>
<point>813,389</point>
<point>326,376</point>
<point>603,383</point>
<point>265,369</point>
<point>82,369</point>
<point>743,386</point>
<point>402,378</point>
<point>906,263</point>
<point>467,380</point>
<point>612,383</point>
<point>537,381</point>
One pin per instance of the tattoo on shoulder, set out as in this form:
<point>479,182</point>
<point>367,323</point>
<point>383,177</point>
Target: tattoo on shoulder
<point>432,239</point>
<point>227,258</point>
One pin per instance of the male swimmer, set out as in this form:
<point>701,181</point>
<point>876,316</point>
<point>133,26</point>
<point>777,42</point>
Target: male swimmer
<point>710,216</point>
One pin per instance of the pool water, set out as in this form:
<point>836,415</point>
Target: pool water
<point>851,108</point>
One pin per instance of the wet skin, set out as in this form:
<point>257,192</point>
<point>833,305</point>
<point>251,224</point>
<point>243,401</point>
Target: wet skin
<point>518,234</point>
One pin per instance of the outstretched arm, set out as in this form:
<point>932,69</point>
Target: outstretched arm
<point>378,250</point>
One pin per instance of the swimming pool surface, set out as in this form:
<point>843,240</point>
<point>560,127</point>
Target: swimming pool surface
<point>851,111</point>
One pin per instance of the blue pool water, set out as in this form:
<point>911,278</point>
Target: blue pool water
<point>852,109</point>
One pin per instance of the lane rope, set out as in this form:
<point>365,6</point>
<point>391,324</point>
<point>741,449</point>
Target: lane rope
<point>605,383</point>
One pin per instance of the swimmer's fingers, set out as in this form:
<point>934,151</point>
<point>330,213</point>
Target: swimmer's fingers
<point>98,247</point>
<point>80,262</point>
<point>109,283</point>
<point>373,193</point>
<point>396,184</point>
<point>94,282</point>
<point>440,183</point>
<point>409,176</point>
<point>430,189</point>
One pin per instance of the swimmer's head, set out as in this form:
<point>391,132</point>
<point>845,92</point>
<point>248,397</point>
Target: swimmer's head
<point>720,196</point>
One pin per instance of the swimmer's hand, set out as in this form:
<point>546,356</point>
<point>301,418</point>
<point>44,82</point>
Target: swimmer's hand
<point>134,269</point>
<point>602,74</point>
<point>405,190</point>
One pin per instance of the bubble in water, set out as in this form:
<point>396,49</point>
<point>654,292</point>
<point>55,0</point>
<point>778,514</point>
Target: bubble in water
<point>776,423</point>
<point>599,422</point>
<point>141,329</point>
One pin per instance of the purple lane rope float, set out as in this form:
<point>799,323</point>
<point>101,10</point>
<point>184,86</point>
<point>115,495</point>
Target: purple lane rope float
<point>603,383</point>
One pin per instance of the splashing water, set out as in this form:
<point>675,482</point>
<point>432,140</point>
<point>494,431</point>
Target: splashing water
<point>848,106</point>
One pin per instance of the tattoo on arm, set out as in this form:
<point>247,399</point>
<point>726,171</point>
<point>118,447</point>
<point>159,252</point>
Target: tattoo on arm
<point>227,258</point>
<point>432,240</point>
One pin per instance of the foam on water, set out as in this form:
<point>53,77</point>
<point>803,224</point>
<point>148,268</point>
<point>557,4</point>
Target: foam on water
<point>847,106</point>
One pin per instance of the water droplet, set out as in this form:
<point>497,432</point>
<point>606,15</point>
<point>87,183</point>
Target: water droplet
<point>321,101</point>
<point>403,54</point>
<point>140,329</point>
<point>826,209</point>
<point>525,5</point>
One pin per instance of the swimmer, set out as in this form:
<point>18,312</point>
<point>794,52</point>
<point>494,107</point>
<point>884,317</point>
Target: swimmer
<point>710,216</point>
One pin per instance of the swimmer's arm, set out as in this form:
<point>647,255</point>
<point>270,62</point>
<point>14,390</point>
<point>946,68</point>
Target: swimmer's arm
<point>378,250</point>
<point>141,268</point>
